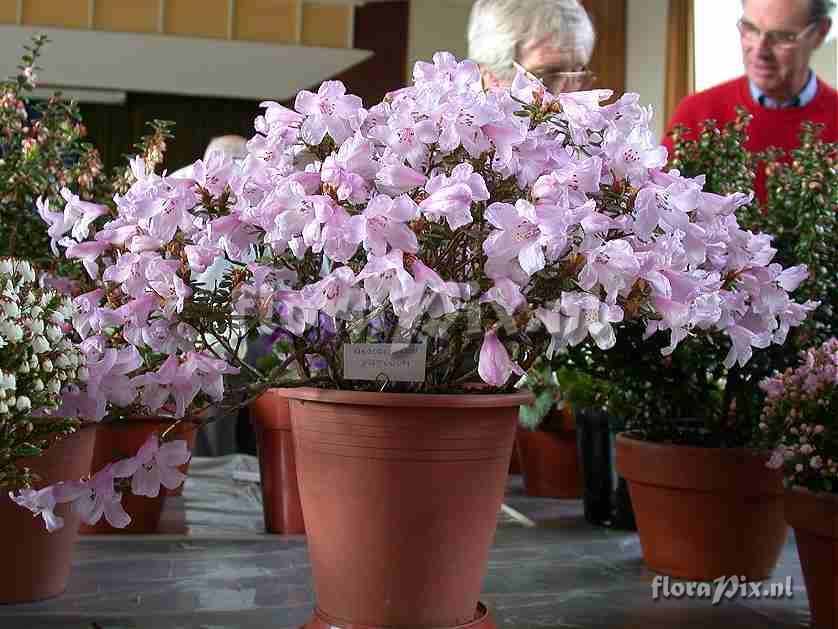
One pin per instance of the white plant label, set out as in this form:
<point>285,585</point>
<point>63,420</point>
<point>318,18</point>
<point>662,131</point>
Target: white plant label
<point>384,361</point>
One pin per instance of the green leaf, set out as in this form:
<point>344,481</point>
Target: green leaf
<point>25,450</point>
<point>531,416</point>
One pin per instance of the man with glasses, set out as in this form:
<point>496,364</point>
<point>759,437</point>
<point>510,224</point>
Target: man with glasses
<point>551,39</point>
<point>779,88</point>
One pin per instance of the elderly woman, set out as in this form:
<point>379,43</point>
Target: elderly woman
<point>552,39</point>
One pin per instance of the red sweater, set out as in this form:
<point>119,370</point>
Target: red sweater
<point>769,127</point>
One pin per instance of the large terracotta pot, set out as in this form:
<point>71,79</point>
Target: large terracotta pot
<point>38,562</point>
<point>271,419</point>
<point>814,517</point>
<point>124,438</point>
<point>549,459</point>
<point>401,494</point>
<point>703,513</point>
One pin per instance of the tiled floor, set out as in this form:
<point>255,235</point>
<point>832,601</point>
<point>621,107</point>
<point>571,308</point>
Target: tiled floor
<point>225,573</point>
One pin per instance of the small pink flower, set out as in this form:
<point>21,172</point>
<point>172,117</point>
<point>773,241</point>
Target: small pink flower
<point>494,366</point>
<point>41,502</point>
<point>155,465</point>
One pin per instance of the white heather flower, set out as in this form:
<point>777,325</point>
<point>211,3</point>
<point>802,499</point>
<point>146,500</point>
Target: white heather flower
<point>26,271</point>
<point>54,386</point>
<point>38,384</point>
<point>24,367</point>
<point>23,403</point>
<point>54,333</point>
<point>36,311</point>
<point>33,362</point>
<point>82,374</point>
<point>46,365</point>
<point>11,309</point>
<point>5,266</point>
<point>798,467</point>
<point>40,345</point>
<point>62,362</point>
<point>3,408</point>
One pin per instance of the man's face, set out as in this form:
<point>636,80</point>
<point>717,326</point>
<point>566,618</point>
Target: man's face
<point>779,71</point>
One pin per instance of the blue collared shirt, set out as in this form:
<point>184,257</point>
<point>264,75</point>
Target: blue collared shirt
<point>806,95</point>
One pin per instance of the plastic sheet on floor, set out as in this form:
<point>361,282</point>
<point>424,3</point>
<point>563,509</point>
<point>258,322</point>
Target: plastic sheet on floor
<point>214,567</point>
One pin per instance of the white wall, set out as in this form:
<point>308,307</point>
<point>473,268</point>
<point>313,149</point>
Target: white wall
<point>646,55</point>
<point>436,25</point>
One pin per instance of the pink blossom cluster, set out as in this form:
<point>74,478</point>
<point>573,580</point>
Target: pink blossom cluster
<point>153,465</point>
<point>799,419</point>
<point>552,215</point>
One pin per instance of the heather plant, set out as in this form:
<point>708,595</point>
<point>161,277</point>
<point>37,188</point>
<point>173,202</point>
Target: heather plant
<point>42,150</point>
<point>490,231</point>
<point>38,359</point>
<point>46,162</point>
<point>798,419</point>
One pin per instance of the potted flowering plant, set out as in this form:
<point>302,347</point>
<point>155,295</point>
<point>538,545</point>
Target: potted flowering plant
<point>47,165</point>
<point>38,358</point>
<point>799,423</point>
<point>417,255</point>
<point>699,405</point>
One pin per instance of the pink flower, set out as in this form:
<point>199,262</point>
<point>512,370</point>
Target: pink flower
<point>494,365</point>
<point>155,464</point>
<point>451,197</point>
<point>93,498</point>
<point>517,236</point>
<point>41,502</point>
<point>385,225</point>
<point>328,111</point>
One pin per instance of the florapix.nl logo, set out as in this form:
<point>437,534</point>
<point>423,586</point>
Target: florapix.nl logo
<point>721,588</point>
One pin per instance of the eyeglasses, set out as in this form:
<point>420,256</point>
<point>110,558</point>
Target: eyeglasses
<point>775,39</point>
<point>557,81</point>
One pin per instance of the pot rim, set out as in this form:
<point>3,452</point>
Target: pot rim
<point>816,495</point>
<point>430,400</point>
<point>656,445</point>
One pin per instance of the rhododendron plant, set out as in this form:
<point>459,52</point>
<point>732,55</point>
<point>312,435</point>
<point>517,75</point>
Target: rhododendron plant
<point>489,227</point>
<point>799,419</point>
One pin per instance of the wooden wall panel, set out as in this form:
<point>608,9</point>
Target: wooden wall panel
<point>63,13</point>
<point>266,20</point>
<point>196,18</point>
<point>8,12</point>
<point>381,27</point>
<point>609,60</point>
<point>126,16</point>
<point>327,25</point>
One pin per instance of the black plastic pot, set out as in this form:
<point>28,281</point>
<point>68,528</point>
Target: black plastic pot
<point>606,498</point>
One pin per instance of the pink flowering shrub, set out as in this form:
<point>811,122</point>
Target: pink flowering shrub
<point>493,228</point>
<point>799,419</point>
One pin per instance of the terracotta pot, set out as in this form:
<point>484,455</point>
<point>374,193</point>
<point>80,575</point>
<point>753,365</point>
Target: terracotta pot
<point>703,513</point>
<point>549,461</point>
<point>814,517</point>
<point>41,561</point>
<point>401,494</point>
<point>115,439</point>
<point>271,419</point>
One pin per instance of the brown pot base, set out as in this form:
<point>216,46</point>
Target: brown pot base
<point>703,513</point>
<point>321,620</point>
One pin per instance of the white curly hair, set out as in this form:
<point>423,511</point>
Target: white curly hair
<point>498,29</point>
